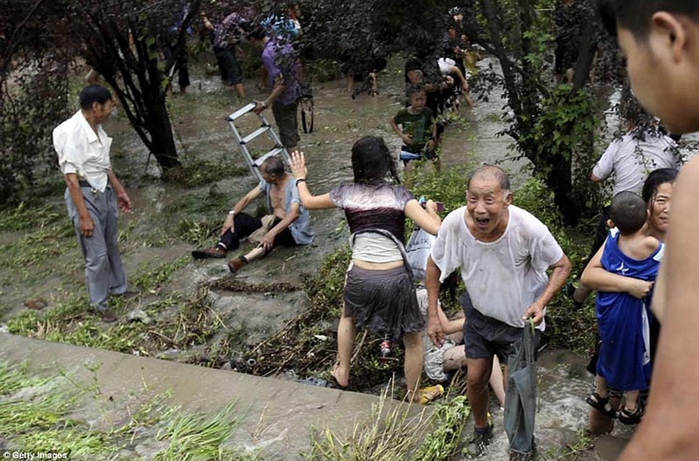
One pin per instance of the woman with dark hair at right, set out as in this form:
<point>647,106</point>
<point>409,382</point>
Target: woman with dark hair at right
<point>657,193</point>
<point>379,292</point>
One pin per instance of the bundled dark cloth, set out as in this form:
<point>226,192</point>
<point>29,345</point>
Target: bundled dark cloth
<point>520,400</point>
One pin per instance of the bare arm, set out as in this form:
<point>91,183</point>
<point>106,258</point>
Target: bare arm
<point>87,226</point>
<point>434,326</point>
<point>278,89</point>
<point>308,200</point>
<point>559,274</point>
<point>596,277</point>
<point>122,197</point>
<point>675,394</point>
<point>293,214</point>
<point>407,139</point>
<point>427,218</point>
<point>238,208</point>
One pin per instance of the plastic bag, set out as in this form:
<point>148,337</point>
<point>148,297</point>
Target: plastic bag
<point>418,250</point>
<point>520,399</point>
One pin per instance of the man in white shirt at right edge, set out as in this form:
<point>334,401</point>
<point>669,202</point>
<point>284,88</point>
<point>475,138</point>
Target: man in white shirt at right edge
<point>503,253</point>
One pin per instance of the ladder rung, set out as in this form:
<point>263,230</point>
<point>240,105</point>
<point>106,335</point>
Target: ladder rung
<point>242,111</point>
<point>254,134</point>
<point>258,161</point>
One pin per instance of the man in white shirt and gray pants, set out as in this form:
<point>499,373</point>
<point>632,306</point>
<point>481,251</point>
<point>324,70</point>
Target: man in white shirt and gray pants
<point>93,193</point>
<point>503,253</point>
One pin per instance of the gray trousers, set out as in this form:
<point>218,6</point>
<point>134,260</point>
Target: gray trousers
<point>104,271</point>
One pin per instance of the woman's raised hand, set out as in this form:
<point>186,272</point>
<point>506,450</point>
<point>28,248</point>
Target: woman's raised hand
<point>298,165</point>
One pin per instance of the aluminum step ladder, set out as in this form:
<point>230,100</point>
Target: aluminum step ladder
<point>265,127</point>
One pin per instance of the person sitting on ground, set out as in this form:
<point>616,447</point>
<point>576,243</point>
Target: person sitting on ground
<point>288,222</point>
<point>451,356</point>
<point>417,128</point>
<point>379,291</point>
<point>623,320</point>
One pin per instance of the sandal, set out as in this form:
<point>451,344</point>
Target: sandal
<point>627,416</point>
<point>601,404</point>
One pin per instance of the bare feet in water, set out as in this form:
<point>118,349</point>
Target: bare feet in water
<point>340,375</point>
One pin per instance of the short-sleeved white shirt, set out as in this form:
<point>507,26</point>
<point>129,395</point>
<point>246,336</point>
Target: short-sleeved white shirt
<point>503,277</point>
<point>631,159</point>
<point>82,152</point>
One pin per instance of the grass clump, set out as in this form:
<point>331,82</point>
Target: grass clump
<point>199,436</point>
<point>183,322</point>
<point>35,417</point>
<point>392,431</point>
<point>449,421</point>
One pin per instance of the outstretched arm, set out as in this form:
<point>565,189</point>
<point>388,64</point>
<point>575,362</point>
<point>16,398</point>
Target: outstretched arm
<point>427,218</point>
<point>308,200</point>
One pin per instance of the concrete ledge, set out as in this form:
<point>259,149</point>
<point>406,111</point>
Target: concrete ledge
<point>279,415</point>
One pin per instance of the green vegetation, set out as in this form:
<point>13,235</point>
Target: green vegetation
<point>392,431</point>
<point>182,323</point>
<point>35,414</point>
<point>199,436</point>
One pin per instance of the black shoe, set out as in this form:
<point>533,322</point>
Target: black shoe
<point>216,252</point>
<point>479,443</point>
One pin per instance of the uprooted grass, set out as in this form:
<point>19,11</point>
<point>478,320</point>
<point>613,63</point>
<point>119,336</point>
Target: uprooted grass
<point>396,431</point>
<point>391,431</point>
<point>35,414</point>
<point>183,322</point>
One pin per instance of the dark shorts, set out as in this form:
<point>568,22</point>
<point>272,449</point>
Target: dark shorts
<point>485,336</point>
<point>228,64</point>
<point>285,115</point>
<point>383,301</point>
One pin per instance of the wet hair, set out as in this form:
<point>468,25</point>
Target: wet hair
<point>273,165</point>
<point>415,88</point>
<point>411,64</point>
<point>628,212</point>
<point>655,179</point>
<point>635,15</point>
<point>256,32</point>
<point>490,171</point>
<point>94,94</point>
<point>372,162</point>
